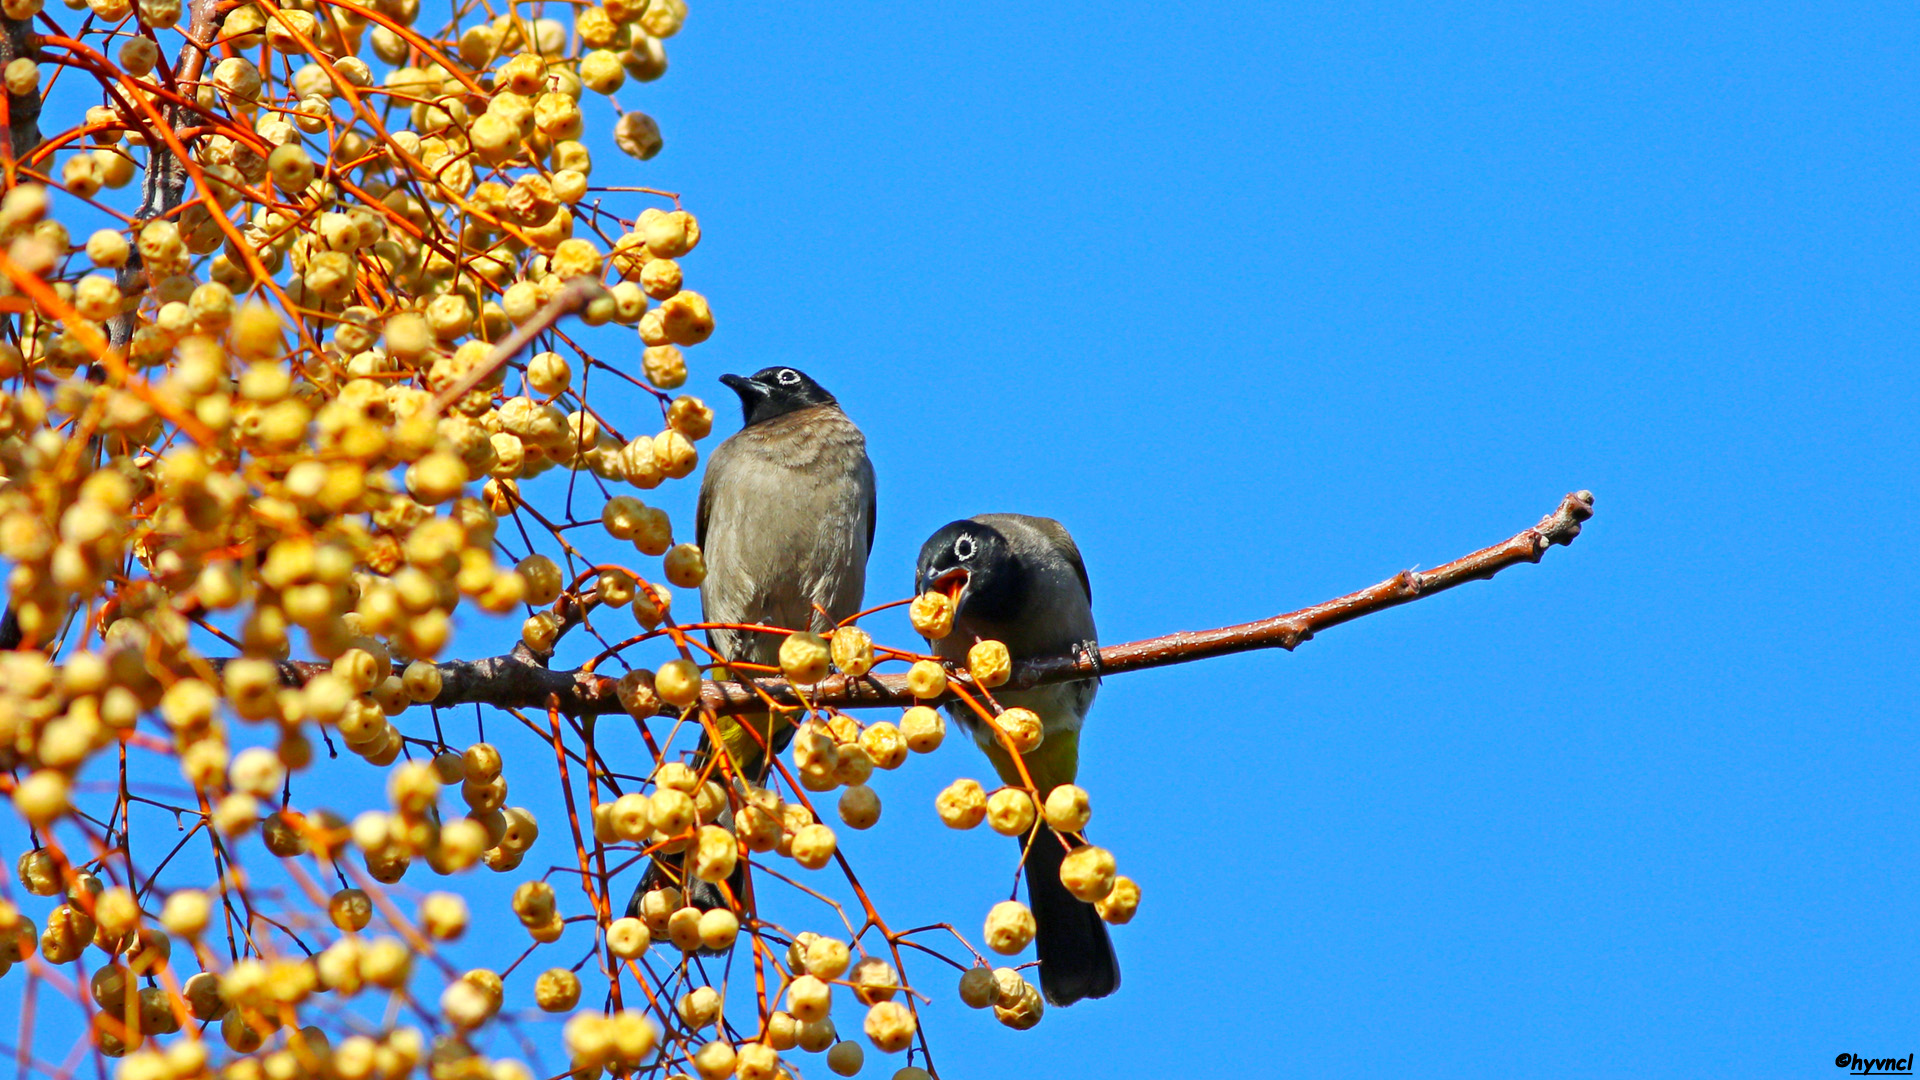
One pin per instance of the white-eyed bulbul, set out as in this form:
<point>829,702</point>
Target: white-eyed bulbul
<point>1019,580</point>
<point>785,522</point>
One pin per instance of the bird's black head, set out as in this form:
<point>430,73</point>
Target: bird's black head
<point>775,391</point>
<point>973,563</point>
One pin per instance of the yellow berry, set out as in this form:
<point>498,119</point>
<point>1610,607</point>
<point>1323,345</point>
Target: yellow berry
<point>1022,728</point>
<point>890,1026</point>
<point>859,807</point>
<point>932,615</point>
<point>678,682</point>
<point>1118,906</point>
<point>962,804</point>
<point>803,658</point>
<point>1067,809</point>
<point>989,663</point>
<point>813,846</point>
<point>923,728</point>
<point>1010,927</point>
<point>556,990</point>
<point>1010,812</point>
<point>926,680</point>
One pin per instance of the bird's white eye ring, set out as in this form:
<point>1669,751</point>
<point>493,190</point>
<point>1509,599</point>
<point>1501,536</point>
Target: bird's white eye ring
<point>788,376</point>
<point>963,547</point>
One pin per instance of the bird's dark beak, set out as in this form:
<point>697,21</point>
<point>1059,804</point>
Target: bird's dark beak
<point>741,385</point>
<point>952,584</point>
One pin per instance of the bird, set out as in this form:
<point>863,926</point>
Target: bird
<point>1019,580</point>
<point>785,522</point>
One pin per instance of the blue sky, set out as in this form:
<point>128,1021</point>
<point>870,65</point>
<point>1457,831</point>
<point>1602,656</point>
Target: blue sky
<point>1267,302</point>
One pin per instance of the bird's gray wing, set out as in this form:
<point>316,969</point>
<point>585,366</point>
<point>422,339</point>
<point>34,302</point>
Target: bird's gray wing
<point>873,501</point>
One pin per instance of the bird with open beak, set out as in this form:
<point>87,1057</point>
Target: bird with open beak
<point>1019,580</point>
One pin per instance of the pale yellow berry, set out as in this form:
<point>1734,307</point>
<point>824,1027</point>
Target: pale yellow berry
<point>761,1061</point>
<point>852,651</point>
<point>685,318</point>
<point>186,913</point>
<point>874,980</point>
<point>422,682</point>
<point>822,956</point>
<point>989,663</point>
<point>809,999</point>
<point>664,366</point>
<point>890,1026</point>
<point>715,853</point>
<point>556,990</point>
<point>533,902</point>
<point>670,812</point>
<point>813,846</point>
<point>1088,872</point>
<point>683,929</point>
<point>1010,927</point>
<point>678,683</point>
<point>675,454</point>
<point>859,807</point>
<point>637,134</point>
<point>660,278</point>
<point>1010,812</point>
<point>1018,1003</point>
<point>42,797</point>
<point>543,578</point>
<point>715,1061</point>
<point>923,728</point>
<point>885,746</point>
<point>1067,809</point>
<point>548,373</point>
<point>926,680</point>
<point>1118,906</point>
<point>685,566</point>
<point>804,657</point>
<point>621,516</point>
<point>718,928</point>
<point>628,938</point>
<point>482,761</point>
<point>652,531</point>
<point>1022,728</point>
<point>602,72</point>
<point>108,248</point>
<point>116,912</point>
<point>690,417</point>
<point>961,804</point>
<point>631,817</point>
<point>443,915</point>
<point>932,615</point>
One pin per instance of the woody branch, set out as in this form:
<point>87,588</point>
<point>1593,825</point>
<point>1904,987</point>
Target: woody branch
<point>519,680</point>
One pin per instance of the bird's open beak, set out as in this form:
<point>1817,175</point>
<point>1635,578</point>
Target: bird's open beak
<point>952,584</point>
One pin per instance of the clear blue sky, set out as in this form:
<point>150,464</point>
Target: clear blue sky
<point>1267,302</point>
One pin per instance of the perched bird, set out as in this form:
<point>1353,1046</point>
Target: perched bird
<point>1019,580</point>
<point>785,522</point>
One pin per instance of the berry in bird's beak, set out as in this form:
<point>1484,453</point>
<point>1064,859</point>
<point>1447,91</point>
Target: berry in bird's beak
<point>952,584</point>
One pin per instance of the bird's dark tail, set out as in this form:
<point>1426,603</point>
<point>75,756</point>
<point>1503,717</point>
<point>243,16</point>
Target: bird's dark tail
<point>1076,956</point>
<point>749,756</point>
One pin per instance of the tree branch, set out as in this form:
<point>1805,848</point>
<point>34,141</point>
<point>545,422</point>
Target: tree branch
<point>519,680</point>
